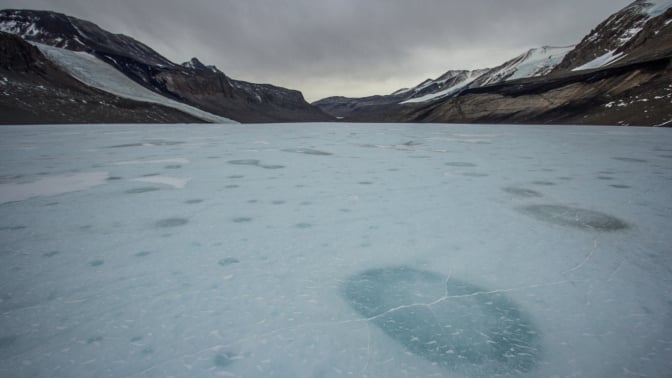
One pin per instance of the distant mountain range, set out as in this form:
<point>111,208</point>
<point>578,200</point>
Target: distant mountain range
<point>59,69</point>
<point>619,74</point>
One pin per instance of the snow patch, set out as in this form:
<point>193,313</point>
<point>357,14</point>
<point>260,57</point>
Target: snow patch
<point>601,61</point>
<point>51,186</point>
<point>175,182</point>
<point>445,92</point>
<point>657,7</point>
<point>540,61</point>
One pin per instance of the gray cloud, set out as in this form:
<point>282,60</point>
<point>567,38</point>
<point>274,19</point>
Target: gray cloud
<point>341,47</point>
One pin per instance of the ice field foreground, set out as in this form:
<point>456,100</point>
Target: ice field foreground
<point>329,250</point>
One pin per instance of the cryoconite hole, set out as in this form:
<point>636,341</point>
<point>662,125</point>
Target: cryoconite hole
<point>449,322</point>
<point>307,151</point>
<point>142,190</point>
<point>575,217</point>
<point>460,164</point>
<point>629,160</point>
<point>522,192</point>
<point>228,261</point>
<point>475,174</point>
<point>244,162</point>
<point>172,222</point>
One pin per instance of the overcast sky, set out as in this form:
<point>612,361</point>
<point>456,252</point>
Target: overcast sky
<point>341,47</point>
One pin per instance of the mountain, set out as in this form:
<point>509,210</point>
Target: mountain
<point>35,90</point>
<point>374,106</point>
<point>619,74</point>
<point>193,83</point>
<point>612,39</point>
<point>535,62</point>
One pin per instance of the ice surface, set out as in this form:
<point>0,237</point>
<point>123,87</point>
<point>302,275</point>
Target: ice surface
<point>302,250</point>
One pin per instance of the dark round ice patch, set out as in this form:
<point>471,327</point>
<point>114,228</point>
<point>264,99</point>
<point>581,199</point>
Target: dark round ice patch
<point>228,261</point>
<point>272,166</point>
<point>452,323</point>
<point>629,159</point>
<point>307,151</point>
<point>460,164</point>
<point>522,192</point>
<point>172,222</point>
<point>144,189</point>
<point>95,263</point>
<point>475,174</point>
<point>575,217</point>
<point>244,162</point>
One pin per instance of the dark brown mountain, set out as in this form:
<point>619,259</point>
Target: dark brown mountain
<point>193,83</point>
<point>34,90</point>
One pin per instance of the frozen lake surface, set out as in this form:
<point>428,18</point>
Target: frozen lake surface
<point>332,250</point>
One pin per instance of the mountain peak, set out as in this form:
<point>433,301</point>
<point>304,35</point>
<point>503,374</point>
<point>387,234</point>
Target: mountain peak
<point>604,44</point>
<point>197,65</point>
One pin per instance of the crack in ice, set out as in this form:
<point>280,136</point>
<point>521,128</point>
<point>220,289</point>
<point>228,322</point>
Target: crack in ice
<point>474,294</point>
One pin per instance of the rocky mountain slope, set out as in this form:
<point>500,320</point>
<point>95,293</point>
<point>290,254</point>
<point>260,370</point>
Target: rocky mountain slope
<point>193,83</point>
<point>34,90</point>
<point>533,63</point>
<point>449,82</point>
<point>618,74</point>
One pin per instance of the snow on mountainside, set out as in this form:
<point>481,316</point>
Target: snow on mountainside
<point>193,83</point>
<point>604,45</point>
<point>534,63</point>
<point>464,79</point>
<point>445,85</point>
<point>60,30</point>
<point>98,74</point>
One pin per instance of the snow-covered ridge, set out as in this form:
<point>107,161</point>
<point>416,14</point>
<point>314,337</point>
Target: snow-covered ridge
<point>471,76</point>
<point>535,62</point>
<point>627,24</point>
<point>93,72</point>
<point>657,7</point>
<point>601,61</point>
